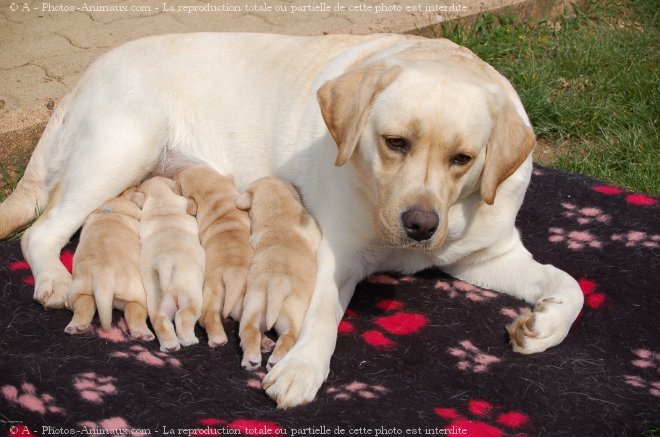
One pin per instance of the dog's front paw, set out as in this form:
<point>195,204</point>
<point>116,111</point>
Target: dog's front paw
<point>294,381</point>
<point>547,326</point>
<point>51,288</point>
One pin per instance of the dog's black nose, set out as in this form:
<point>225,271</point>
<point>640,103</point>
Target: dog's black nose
<point>420,224</point>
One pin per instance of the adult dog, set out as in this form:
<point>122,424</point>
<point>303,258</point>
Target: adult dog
<point>433,162</point>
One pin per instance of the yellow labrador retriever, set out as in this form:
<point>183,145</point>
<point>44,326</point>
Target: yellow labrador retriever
<point>171,263</point>
<point>224,232</point>
<point>409,153</point>
<point>282,274</point>
<point>105,269</point>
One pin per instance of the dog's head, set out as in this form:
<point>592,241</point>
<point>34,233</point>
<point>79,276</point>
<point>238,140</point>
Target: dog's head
<point>424,134</point>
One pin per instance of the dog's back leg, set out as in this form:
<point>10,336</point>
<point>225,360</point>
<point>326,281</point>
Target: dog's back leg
<point>190,304</point>
<point>108,156</point>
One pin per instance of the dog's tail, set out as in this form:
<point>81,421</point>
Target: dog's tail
<point>32,193</point>
<point>164,266</point>
<point>278,290</point>
<point>104,289</point>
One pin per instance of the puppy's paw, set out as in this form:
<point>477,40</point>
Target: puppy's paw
<point>51,289</point>
<point>142,334</point>
<point>547,326</point>
<point>74,329</point>
<point>170,346</point>
<point>294,381</point>
<point>188,341</point>
<point>251,362</point>
<point>217,340</point>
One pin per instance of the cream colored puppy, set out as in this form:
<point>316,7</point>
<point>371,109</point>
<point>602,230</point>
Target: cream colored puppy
<point>105,269</point>
<point>283,272</point>
<point>171,263</point>
<point>224,232</point>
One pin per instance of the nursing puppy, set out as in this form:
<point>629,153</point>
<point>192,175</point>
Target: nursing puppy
<point>106,272</point>
<point>171,263</point>
<point>282,274</point>
<point>224,232</point>
<point>409,153</point>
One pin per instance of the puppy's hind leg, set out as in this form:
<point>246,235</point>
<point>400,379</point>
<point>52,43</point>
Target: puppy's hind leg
<point>107,157</point>
<point>253,323</point>
<point>190,307</point>
<point>288,326</point>
<point>136,319</point>
<point>82,304</point>
<point>214,295</point>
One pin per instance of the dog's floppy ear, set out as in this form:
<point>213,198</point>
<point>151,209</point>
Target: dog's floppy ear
<point>345,103</point>
<point>138,198</point>
<point>244,201</point>
<point>511,141</point>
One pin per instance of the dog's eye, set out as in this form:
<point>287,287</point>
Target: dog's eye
<point>460,159</point>
<point>397,144</point>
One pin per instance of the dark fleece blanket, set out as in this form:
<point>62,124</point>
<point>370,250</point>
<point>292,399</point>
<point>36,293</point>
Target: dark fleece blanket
<point>416,355</point>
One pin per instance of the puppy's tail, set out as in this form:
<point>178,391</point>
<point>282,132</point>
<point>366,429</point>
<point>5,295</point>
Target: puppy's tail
<point>165,268</point>
<point>104,289</point>
<point>279,289</point>
<point>32,194</point>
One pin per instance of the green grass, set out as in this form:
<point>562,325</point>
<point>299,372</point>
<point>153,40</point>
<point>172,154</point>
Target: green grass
<point>590,82</point>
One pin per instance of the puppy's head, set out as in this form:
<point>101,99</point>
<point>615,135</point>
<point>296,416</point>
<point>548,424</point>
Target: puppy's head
<point>124,204</point>
<point>269,199</point>
<point>423,134</point>
<point>202,185</point>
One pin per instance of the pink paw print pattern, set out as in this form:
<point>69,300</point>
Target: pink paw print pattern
<point>66,258</point>
<point>645,360</point>
<point>242,426</point>
<point>574,240</point>
<point>118,332</point>
<point>255,380</point>
<point>512,313</point>
<point>592,298</point>
<point>459,289</point>
<point>584,216</point>
<point>471,358</point>
<point>384,278</point>
<point>356,389</point>
<point>637,239</point>
<point>483,419</point>
<point>28,398</point>
<point>94,388</point>
<point>143,355</point>
<point>636,199</point>
<point>106,426</point>
<point>396,322</point>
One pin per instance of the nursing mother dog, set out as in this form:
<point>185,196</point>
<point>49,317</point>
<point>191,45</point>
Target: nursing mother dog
<point>408,152</point>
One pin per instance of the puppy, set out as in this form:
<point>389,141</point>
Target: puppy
<point>224,232</point>
<point>282,274</point>
<point>105,269</point>
<point>171,263</point>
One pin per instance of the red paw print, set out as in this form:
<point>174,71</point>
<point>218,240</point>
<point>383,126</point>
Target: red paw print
<point>634,199</point>
<point>592,298</point>
<point>485,420</point>
<point>66,257</point>
<point>395,322</point>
